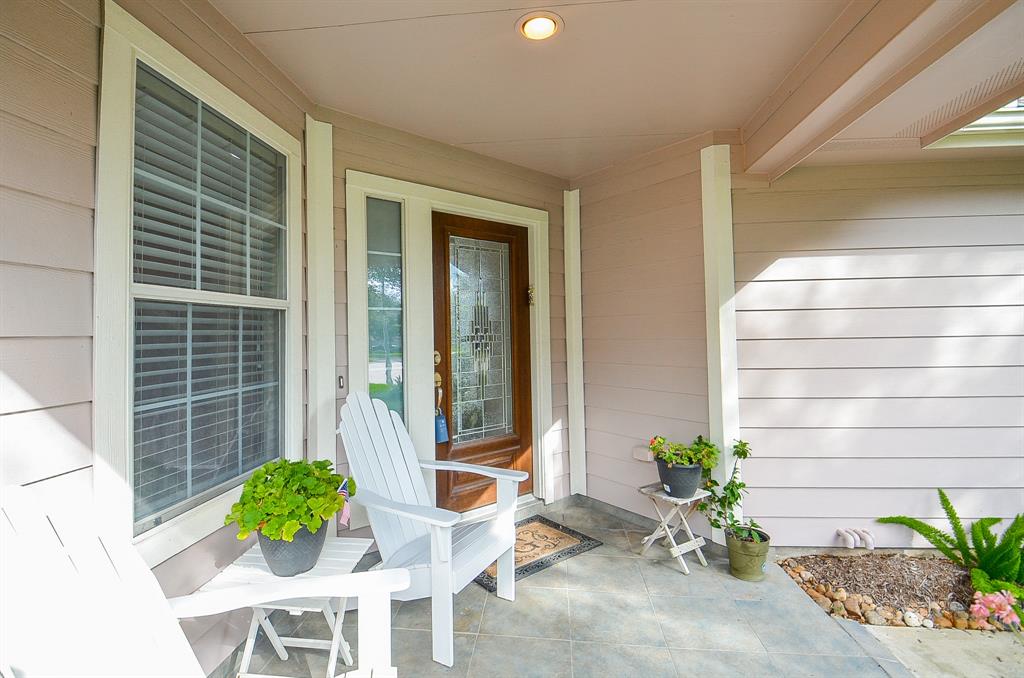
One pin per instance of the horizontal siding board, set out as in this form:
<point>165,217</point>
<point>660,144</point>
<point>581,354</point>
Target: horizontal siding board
<point>627,471</point>
<point>686,325</point>
<point>655,251</point>
<point>693,380</point>
<point>643,425</point>
<point>615,445</point>
<point>815,531</point>
<point>44,443</point>
<point>897,263</point>
<point>909,232</point>
<point>977,472</point>
<point>659,224</point>
<point>619,494</point>
<point>651,198</point>
<point>30,226</point>
<point>38,373</point>
<point>947,173</point>
<point>881,412</point>
<point>868,503</point>
<point>37,89</point>
<point>882,383</point>
<point>881,293</point>
<point>921,443</point>
<point>642,401</point>
<point>40,161</point>
<point>683,297</point>
<point>638,277</point>
<point>885,352</point>
<point>956,321</point>
<point>46,302</point>
<point>654,352</point>
<point>893,203</point>
<point>37,24</point>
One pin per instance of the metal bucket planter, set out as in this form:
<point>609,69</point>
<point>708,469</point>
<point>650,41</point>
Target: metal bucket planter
<point>289,558</point>
<point>747,559</point>
<point>678,480</point>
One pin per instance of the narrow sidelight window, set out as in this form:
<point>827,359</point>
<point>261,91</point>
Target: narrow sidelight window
<point>384,283</point>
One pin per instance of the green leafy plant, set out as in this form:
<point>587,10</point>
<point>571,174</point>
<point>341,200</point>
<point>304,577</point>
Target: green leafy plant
<point>283,496</point>
<point>1000,559</point>
<point>720,508</point>
<point>701,452</point>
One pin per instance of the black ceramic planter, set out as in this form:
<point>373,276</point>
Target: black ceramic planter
<point>679,481</point>
<point>289,558</point>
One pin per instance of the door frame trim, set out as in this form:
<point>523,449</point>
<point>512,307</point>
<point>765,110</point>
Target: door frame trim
<point>418,203</point>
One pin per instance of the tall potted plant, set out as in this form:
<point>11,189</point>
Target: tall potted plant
<point>680,467</point>
<point>288,504</point>
<point>747,542</point>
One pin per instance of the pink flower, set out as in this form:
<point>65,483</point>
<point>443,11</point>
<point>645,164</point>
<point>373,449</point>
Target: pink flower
<point>996,606</point>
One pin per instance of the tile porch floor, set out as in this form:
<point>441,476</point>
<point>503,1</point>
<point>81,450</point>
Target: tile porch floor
<point>611,613</point>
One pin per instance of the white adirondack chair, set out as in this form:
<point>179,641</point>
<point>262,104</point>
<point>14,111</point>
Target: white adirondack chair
<point>75,603</point>
<point>441,555</point>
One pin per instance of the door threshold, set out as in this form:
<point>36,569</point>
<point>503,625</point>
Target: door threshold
<point>485,512</point>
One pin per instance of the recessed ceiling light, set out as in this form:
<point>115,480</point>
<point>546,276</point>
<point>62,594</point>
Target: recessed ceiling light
<point>539,25</point>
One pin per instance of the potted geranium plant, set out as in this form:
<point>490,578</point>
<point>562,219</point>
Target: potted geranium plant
<point>746,541</point>
<point>680,467</point>
<point>288,504</point>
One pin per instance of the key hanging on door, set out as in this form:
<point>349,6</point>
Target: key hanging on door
<point>440,423</point>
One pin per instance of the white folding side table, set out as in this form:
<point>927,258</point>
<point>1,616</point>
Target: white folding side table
<point>679,507</point>
<point>340,556</point>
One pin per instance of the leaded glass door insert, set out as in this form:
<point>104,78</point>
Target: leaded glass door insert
<point>481,335</point>
<point>481,348</point>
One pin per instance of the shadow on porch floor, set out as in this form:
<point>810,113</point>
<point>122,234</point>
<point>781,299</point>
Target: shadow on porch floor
<point>611,613</point>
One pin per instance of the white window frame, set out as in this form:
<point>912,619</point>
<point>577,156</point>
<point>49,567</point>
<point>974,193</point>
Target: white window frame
<point>418,204</point>
<point>125,41</point>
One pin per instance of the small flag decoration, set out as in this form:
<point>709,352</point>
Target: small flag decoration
<point>346,510</point>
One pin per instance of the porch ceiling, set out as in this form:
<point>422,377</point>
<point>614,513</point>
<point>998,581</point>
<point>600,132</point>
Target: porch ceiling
<point>624,77</point>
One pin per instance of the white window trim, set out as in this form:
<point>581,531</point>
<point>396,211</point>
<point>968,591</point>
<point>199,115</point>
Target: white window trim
<point>418,202</point>
<point>124,41</point>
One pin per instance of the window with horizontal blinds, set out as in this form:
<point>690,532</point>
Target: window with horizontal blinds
<point>208,219</point>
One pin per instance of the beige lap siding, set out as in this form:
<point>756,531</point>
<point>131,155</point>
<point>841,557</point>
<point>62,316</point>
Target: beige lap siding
<point>880,319</point>
<point>368,147</point>
<point>644,353</point>
<point>48,90</point>
<point>50,51</point>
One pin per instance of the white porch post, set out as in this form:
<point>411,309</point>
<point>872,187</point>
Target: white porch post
<point>321,417</point>
<point>574,343</point>
<point>720,306</point>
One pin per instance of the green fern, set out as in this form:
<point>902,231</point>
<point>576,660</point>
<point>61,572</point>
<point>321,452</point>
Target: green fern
<point>936,537</point>
<point>958,528</point>
<point>1001,559</point>
<point>982,536</point>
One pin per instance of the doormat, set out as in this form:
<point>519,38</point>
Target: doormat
<point>540,543</point>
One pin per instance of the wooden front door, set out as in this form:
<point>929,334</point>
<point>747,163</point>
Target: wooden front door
<point>482,340</point>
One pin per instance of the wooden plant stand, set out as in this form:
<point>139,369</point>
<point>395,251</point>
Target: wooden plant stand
<point>678,508</point>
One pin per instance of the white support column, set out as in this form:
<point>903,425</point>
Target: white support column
<point>574,343</point>
<point>322,365</point>
<point>720,306</point>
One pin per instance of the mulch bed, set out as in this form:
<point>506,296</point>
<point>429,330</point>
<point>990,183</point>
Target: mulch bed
<point>896,580</point>
<point>887,589</point>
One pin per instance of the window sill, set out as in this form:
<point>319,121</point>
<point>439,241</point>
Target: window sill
<point>177,534</point>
